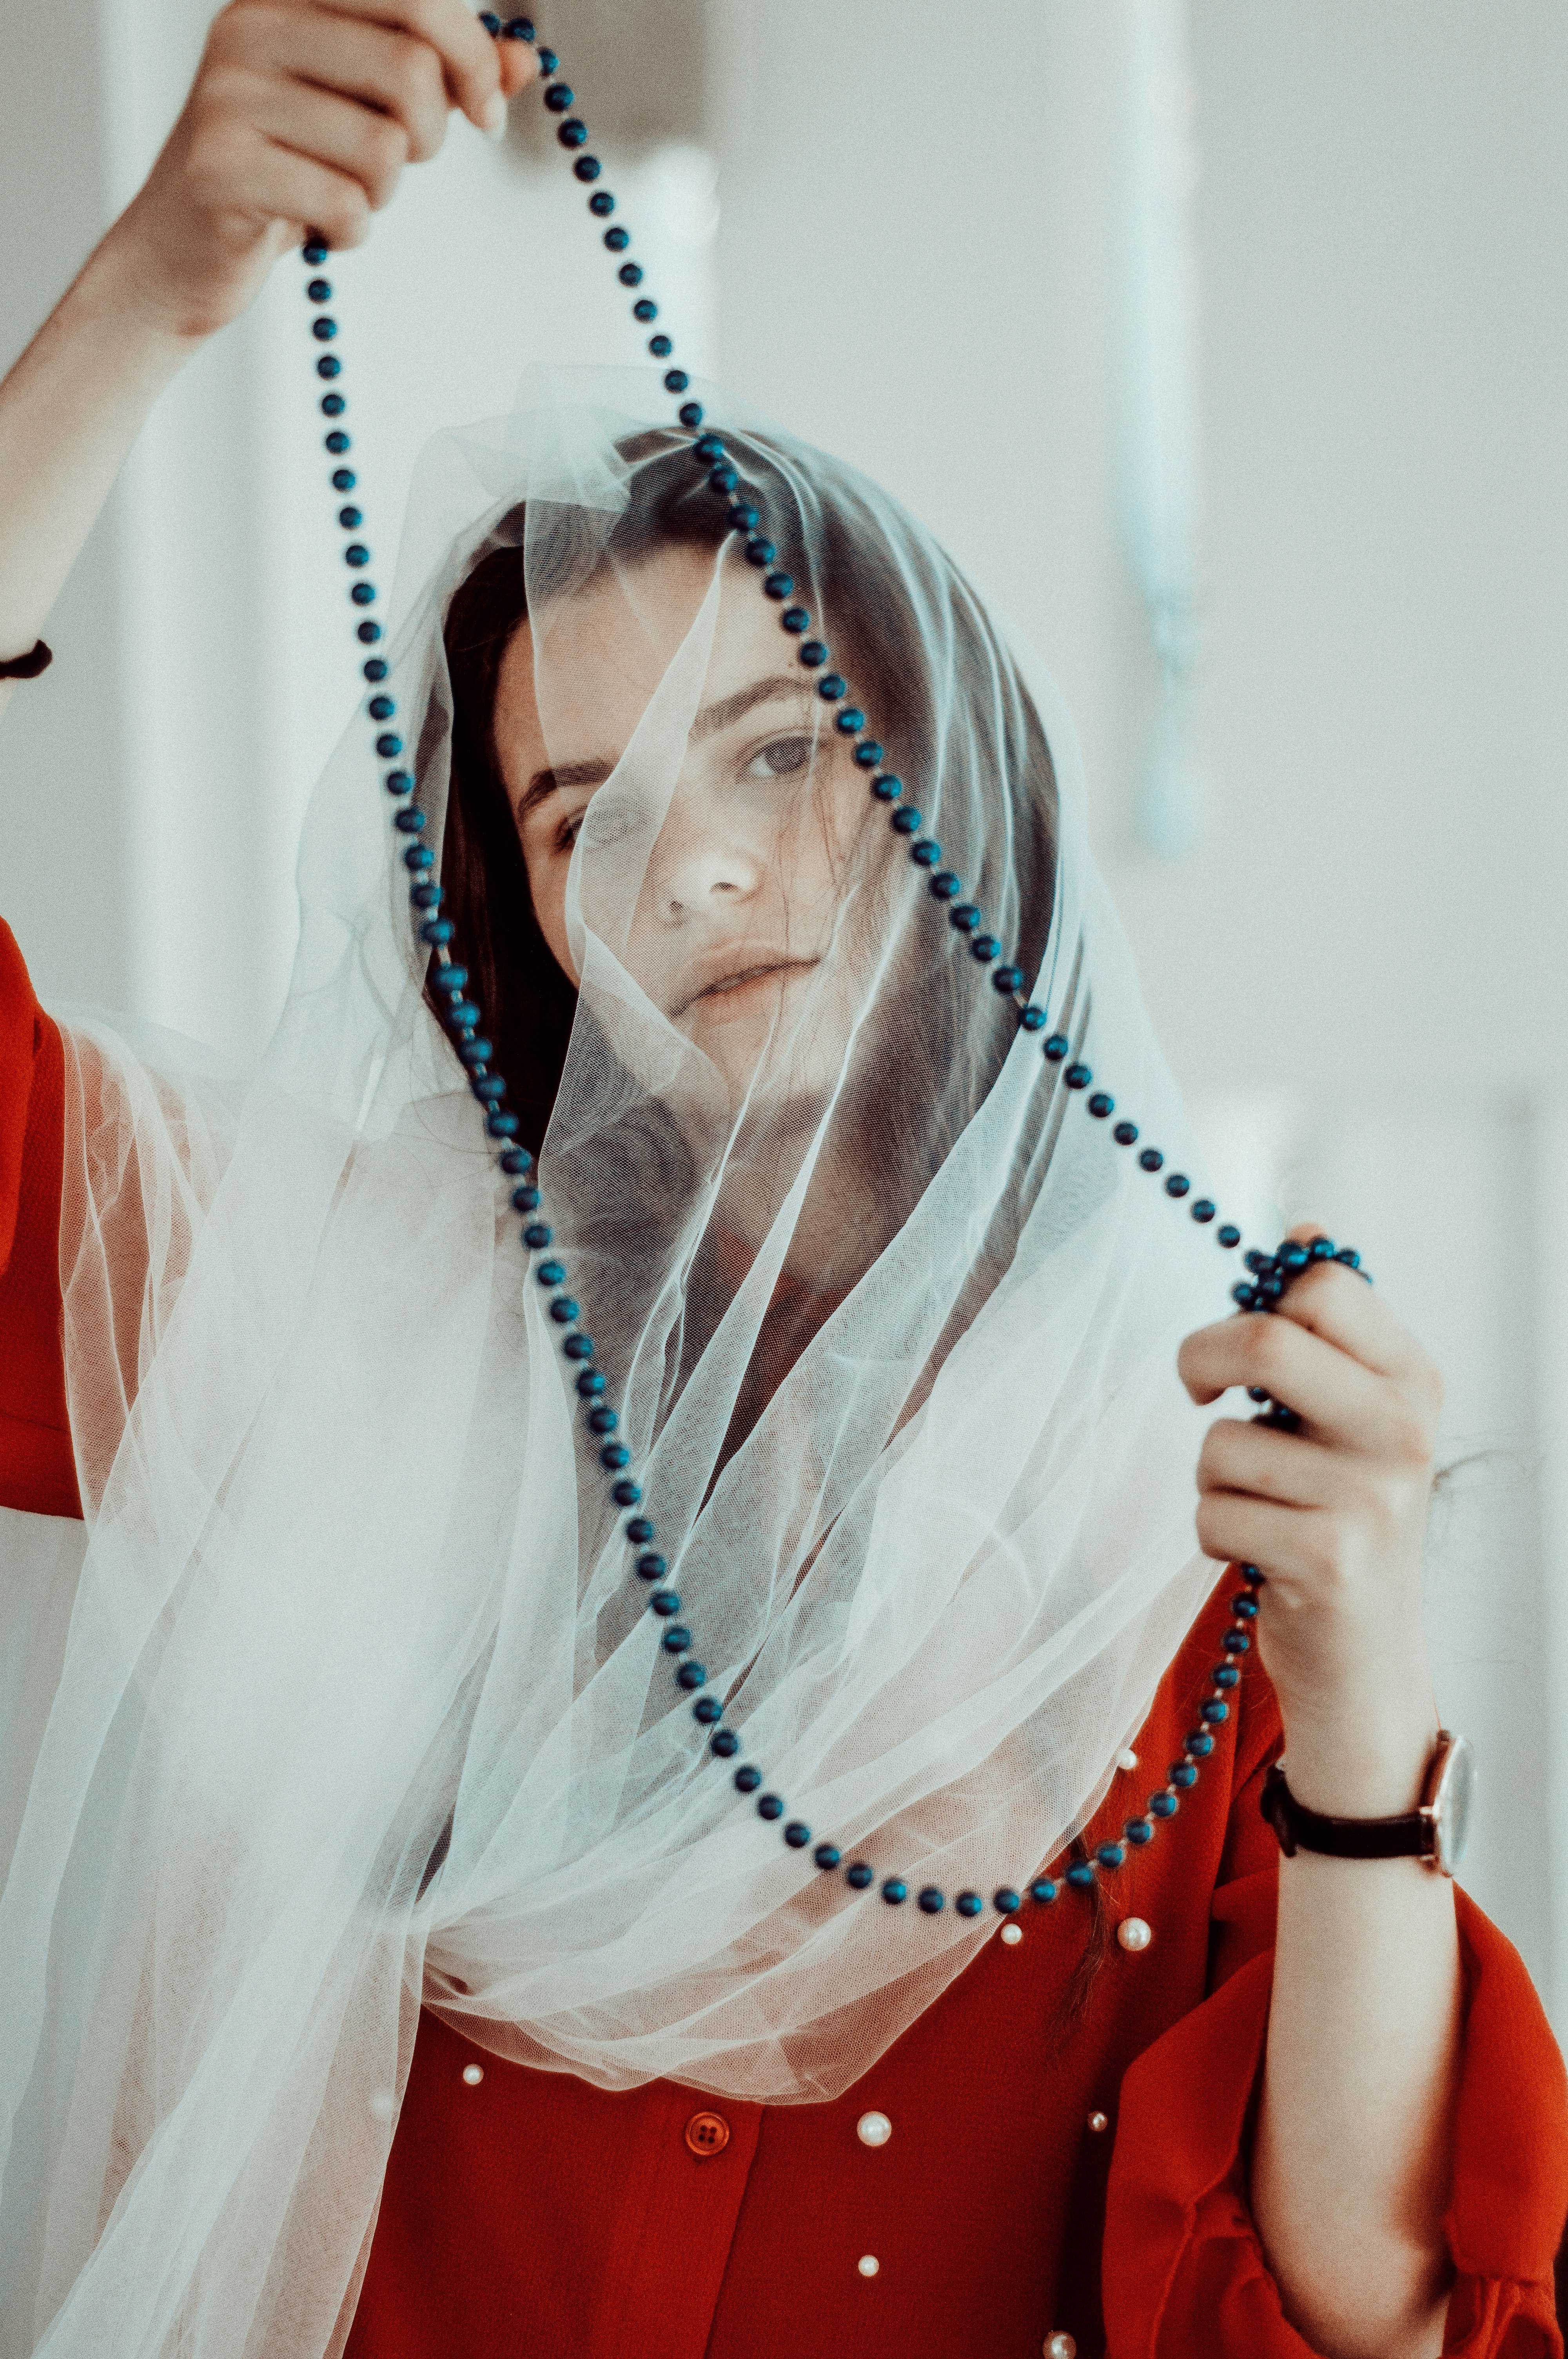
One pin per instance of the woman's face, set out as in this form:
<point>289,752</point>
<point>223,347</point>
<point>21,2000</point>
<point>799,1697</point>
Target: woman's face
<point>739,894</point>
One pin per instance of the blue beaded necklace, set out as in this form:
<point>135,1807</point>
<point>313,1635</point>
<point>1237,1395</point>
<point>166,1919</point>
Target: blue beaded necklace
<point>1270,1275</point>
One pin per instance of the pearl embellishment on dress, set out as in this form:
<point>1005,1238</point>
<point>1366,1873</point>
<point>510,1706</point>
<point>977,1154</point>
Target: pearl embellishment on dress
<point>873,2129</point>
<point>1011,1934</point>
<point>1059,2346</point>
<point>1126,1760</point>
<point>1099,2121</point>
<point>1134,1933</point>
<point>868,2265</point>
<point>473,2074</point>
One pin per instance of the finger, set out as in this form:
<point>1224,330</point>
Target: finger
<point>519,66</point>
<point>389,72</point>
<point>469,65</point>
<point>1265,1464</point>
<point>1293,1542</point>
<point>350,138</point>
<point>249,173</point>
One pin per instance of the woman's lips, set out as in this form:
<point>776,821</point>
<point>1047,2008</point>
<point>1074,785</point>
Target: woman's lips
<point>738,983</point>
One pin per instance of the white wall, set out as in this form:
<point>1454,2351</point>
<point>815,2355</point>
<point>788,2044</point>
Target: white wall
<point>1359,976</point>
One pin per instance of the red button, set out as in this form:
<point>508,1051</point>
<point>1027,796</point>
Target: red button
<point>708,2133</point>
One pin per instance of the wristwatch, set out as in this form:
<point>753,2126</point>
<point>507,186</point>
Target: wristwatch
<point>1435,1831</point>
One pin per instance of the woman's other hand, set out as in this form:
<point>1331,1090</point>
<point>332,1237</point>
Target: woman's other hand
<point>1335,1514</point>
<point>303,115</point>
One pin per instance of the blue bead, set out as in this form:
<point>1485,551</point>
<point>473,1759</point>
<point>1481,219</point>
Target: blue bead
<point>651,1567</point>
<point>1139,1832</point>
<point>536,1237</point>
<point>1183,1773</point>
<point>748,1779</point>
<point>675,1641</point>
<point>614,1453</point>
<point>563,1310</point>
<point>964,918</point>
<point>515,1159</point>
<point>559,97</point>
<point>380,708</point>
<point>502,1125</point>
<point>625,1494</point>
<point>677,381</point>
<point>573,133</point>
<point>488,1088</point>
<point>1057,1048</point>
<point>549,61</point>
<point>1350,1259</point>
<point>708,1709</point>
<point>690,413</point>
<point>779,585</point>
<point>639,1531</point>
<point>363,594</point>
<point>474,1052</point>
<point>1043,1891</point>
<point>1151,1159</point>
<point>1246,1296</point>
<point>1125,1133</point>
<point>661,347</point>
<point>618,239</point>
<point>1323,1249</point>
<point>1101,1104</point>
<point>760,550</point>
<point>1200,1743</point>
<point>985,947</point>
<point>323,330</point>
<point>665,1602</point>
<point>419,855</point>
<point>1007,979</point>
<point>869,755</point>
<point>399,782</point>
<point>319,291</point>
<point>1225,1675</point>
<point>1078,1077</point>
<point>906,821</point>
<point>831,687</point>
<point>926,852</point>
<point>858,1875</point>
<point>1163,1806</point>
<point>1031,1019</point>
<point>946,887</point>
<point>1203,1212</point>
<point>590,1383</point>
<point>524,1200</point>
<point>887,788</point>
<point>332,405</point>
<point>795,619</point>
<point>1178,1184</point>
<point>518,28</point>
<point>725,1743</point>
<point>797,1835</point>
<point>848,721</point>
<point>430,897</point>
<point>576,1347</point>
<point>828,1855</point>
<point>1110,1855</point>
<point>1214,1713</point>
<point>313,250</point>
<point>894,1890</point>
<point>643,308</point>
<point>490,22</point>
<point>587,167</point>
<point>723,479</point>
<point>374,669</point>
<point>461,1012</point>
<point>1081,1873</point>
<point>343,479</point>
<point>436,929</point>
<point>409,822</point>
<point>1236,1642</point>
<point>388,746</point>
<point>368,634</point>
<point>814,655</point>
<point>1229,1235</point>
<point>691,1676</point>
<point>709,448</point>
<point>969,1904</point>
<point>932,1899</point>
<point>550,1273</point>
<point>328,367</point>
<point>337,442</point>
<point>1005,1900</point>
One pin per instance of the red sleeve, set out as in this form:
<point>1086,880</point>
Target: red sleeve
<point>37,1470</point>
<point>1183,2267</point>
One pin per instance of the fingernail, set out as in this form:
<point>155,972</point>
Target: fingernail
<point>496,117</point>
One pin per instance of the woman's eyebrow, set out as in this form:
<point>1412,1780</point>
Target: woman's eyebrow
<point>719,714</point>
<point>545,783</point>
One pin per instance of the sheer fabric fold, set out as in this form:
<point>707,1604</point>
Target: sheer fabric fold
<point>359,1705</point>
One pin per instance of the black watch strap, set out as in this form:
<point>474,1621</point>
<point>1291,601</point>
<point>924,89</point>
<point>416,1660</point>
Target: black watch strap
<point>1411,1835</point>
<point>37,658</point>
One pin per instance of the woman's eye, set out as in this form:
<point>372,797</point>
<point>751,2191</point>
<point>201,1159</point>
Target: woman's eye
<point>781,759</point>
<point>567,833</point>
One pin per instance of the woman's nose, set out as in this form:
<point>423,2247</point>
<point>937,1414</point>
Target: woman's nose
<point>699,865</point>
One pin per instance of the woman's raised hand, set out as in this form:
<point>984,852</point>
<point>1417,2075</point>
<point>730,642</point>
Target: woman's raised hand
<point>1335,1515</point>
<point>303,115</point>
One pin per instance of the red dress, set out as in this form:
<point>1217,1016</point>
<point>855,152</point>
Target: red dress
<point>1062,2158</point>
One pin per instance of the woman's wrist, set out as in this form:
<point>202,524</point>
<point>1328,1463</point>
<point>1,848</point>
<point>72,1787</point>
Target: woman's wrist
<point>1363,1754</point>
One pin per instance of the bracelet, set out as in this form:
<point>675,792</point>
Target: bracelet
<point>38,659</point>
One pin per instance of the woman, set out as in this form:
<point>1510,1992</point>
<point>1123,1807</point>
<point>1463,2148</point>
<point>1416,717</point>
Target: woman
<point>345,1719</point>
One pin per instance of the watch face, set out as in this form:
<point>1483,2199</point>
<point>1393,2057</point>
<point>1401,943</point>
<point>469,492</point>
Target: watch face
<point>1452,1802</point>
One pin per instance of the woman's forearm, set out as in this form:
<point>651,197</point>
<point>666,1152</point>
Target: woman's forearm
<point>69,411</point>
<point>1350,2166</point>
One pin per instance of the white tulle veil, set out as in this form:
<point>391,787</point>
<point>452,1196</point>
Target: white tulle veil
<point>357,1703</point>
